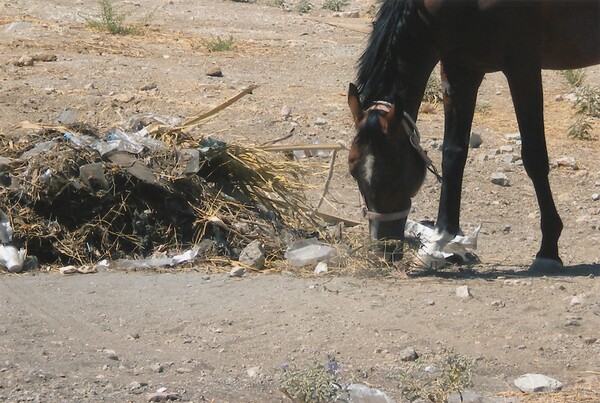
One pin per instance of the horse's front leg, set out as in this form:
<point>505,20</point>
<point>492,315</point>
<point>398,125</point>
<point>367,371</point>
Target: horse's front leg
<point>460,95</point>
<point>526,90</point>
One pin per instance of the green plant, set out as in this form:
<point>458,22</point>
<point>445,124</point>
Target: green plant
<point>434,377</point>
<point>303,6</point>
<point>587,104</point>
<point>111,21</point>
<point>315,384</point>
<point>433,90</point>
<point>574,77</point>
<point>334,5</point>
<point>219,45</point>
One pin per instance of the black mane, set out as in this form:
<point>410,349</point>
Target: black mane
<point>393,34</point>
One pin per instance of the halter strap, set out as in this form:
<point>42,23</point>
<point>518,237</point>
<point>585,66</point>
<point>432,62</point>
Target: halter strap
<point>415,140</point>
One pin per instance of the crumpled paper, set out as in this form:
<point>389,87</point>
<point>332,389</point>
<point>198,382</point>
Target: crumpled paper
<point>10,257</point>
<point>437,248</point>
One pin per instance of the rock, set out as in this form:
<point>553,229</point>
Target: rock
<point>321,268</point>
<point>513,137</point>
<point>463,292</point>
<point>347,14</point>
<point>499,178</point>
<point>590,340</point>
<point>320,122</point>
<point>124,98</point>
<point>595,196</point>
<point>498,304</point>
<point>286,112</point>
<point>136,387</point>
<point>158,368</point>
<point>45,57</point>
<point>163,396</point>
<point>568,162</point>
<point>67,117</point>
<point>507,149</point>
<point>578,300</point>
<point>475,141</point>
<point>510,159</point>
<point>253,372</point>
<point>24,61</point>
<point>409,354</point>
<point>537,383</point>
<point>112,355</point>
<point>360,393</point>
<point>237,271</point>
<point>215,72</point>
<point>148,87</point>
<point>253,255</point>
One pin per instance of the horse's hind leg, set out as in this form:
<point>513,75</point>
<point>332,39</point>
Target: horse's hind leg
<point>460,95</point>
<point>526,91</point>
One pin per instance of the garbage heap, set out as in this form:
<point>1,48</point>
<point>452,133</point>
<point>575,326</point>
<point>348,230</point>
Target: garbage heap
<point>76,195</point>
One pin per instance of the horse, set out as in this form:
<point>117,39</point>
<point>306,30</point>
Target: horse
<point>469,38</point>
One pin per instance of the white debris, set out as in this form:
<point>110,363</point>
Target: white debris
<point>463,292</point>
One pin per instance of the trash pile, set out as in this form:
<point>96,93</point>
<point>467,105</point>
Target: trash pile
<point>76,196</point>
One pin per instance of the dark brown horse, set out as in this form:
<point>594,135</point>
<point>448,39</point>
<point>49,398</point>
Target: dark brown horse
<point>469,38</point>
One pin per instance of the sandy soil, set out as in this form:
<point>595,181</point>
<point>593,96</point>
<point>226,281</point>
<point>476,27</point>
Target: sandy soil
<point>86,338</point>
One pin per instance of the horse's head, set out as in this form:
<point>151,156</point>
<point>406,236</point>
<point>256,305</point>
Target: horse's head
<point>388,164</point>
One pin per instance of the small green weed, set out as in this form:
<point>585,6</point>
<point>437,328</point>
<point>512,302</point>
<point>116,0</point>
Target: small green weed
<point>433,90</point>
<point>434,377</point>
<point>334,5</point>
<point>303,6</point>
<point>315,384</point>
<point>574,77</point>
<point>111,21</point>
<point>219,45</point>
<point>587,104</point>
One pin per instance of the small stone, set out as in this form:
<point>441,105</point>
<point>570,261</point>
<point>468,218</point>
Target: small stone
<point>577,300</point>
<point>124,98</point>
<point>215,72</point>
<point>513,137</point>
<point>157,368</point>
<point>499,178</point>
<point>68,117</point>
<point>163,396</point>
<point>89,86</point>
<point>537,383</point>
<point>475,141</point>
<point>237,271</point>
<point>463,292</point>
<point>112,355</point>
<point>253,255</point>
<point>430,302</point>
<point>510,159</point>
<point>45,57</point>
<point>286,112</point>
<point>320,122</point>
<point>590,340</point>
<point>24,61</point>
<point>321,268</point>
<point>148,87</point>
<point>595,196</point>
<point>506,149</point>
<point>136,387</point>
<point>568,162</point>
<point>498,304</point>
<point>253,372</point>
<point>409,354</point>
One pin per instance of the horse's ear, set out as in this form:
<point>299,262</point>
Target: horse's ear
<point>354,104</point>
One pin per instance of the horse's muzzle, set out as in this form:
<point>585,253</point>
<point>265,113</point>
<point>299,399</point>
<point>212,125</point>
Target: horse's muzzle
<point>388,238</point>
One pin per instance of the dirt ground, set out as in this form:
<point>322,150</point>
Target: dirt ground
<point>118,336</point>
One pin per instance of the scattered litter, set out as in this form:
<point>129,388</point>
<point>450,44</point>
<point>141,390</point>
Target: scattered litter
<point>461,245</point>
<point>308,251</point>
<point>10,257</point>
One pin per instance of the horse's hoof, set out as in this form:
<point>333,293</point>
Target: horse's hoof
<point>542,265</point>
